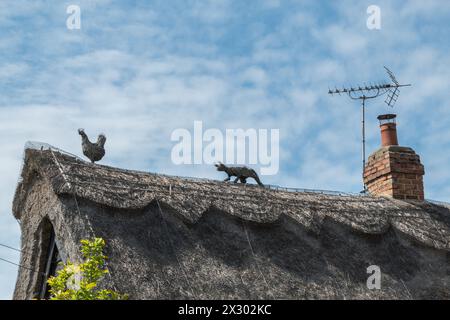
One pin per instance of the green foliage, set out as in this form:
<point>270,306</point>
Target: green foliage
<point>80,281</point>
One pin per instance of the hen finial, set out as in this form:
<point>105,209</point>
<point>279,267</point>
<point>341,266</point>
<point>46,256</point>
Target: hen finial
<point>93,151</point>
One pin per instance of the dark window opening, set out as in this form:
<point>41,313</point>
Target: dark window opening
<point>52,265</point>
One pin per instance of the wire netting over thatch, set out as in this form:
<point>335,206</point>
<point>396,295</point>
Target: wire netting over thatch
<point>171,237</point>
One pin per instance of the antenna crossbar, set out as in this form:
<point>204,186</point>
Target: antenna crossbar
<point>383,88</point>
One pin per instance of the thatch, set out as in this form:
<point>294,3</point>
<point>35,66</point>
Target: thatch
<point>171,237</point>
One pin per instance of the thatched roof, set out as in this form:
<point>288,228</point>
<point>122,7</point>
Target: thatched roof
<point>216,228</point>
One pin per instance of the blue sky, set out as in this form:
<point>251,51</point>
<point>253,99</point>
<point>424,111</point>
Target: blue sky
<point>137,70</point>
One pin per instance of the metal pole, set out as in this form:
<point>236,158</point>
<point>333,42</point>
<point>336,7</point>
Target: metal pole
<point>363,120</point>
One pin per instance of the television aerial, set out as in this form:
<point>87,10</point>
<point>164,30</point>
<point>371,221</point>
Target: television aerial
<point>372,91</point>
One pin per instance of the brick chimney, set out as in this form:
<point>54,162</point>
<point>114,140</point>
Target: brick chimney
<point>392,170</point>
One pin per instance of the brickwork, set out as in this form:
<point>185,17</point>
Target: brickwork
<point>395,172</point>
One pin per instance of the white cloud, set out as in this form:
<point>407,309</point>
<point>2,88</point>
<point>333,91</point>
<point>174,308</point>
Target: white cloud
<point>9,71</point>
<point>211,11</point>
<point>256,76</point>
<point>344,41</point>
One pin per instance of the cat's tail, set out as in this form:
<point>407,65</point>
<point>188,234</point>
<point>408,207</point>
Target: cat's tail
<point>257,179</point>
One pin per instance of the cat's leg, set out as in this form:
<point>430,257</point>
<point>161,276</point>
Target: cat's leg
<point>243,180</point>
<point>237,179</point>
<point>227,179</point>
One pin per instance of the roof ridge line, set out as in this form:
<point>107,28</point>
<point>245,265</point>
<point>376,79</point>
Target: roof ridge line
<point>36,145</point>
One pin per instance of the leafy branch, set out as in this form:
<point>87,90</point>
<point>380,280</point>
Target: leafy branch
<point>80,281</point>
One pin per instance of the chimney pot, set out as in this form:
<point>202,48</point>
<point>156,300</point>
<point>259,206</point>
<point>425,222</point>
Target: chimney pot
<point>388,130</point>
